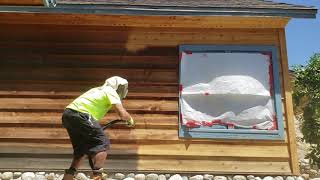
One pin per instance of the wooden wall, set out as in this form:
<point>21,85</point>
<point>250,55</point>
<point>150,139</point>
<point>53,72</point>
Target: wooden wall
<point>22,2</point>
<point>44,67</point>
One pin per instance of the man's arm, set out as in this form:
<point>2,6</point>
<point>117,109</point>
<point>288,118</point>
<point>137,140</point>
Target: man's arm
<point>123,114</point>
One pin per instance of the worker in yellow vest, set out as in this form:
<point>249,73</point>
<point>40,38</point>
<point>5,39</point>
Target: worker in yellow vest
<point>81,117</point>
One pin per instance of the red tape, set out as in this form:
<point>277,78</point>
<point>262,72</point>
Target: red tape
<point>270,78</point>
<point>180,87</point>
<point>209,123</point>
<point>188,52</point>
<point>205,123</point>
<point>217,121</point>
<point>180,56</point>
<point>269,54</point>
<point>192,124</point>
<point>274,123</point>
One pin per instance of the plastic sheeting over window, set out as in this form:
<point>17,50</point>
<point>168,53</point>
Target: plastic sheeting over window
<point>227,90</point>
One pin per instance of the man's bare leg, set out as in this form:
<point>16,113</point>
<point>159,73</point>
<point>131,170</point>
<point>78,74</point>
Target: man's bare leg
<point>98,161</point>
<point>76,162</point>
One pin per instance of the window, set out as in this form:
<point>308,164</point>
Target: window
<point>230,92</point>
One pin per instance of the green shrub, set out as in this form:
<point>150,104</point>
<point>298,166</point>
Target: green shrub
<point>306,98</point>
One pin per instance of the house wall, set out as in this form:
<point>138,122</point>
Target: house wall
<point>22,2</point>
<point>45,66</point>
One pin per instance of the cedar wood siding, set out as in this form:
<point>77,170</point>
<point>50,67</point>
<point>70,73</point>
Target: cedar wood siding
<point>45,66</point>
<point>22,2</point>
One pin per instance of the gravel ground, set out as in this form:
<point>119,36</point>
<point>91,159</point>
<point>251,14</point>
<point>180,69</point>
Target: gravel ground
<point>133,176</point>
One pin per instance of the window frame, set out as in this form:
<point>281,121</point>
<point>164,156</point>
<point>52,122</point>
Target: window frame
<point>209,133</point>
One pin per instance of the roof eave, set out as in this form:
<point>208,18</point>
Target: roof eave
<point>161,11</point>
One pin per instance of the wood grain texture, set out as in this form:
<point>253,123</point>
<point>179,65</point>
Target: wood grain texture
<point>144,21</point>
<point>60,104</point>
<point>53,120</point>
<point>90,61</point>
<point>157,165</point>
<point>123,135</point>
<point>56,86</point>
<point>194,149</point>
<point>138,36</point>
<point>74,94</point>
<point>46,66</point>
<point>44,135</point>
<point>22,2</point>
<point>87,74</point>
<point>92,48</point>
<point>288,104</point>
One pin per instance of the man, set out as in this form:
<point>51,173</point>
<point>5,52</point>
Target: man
<point>81,117</point>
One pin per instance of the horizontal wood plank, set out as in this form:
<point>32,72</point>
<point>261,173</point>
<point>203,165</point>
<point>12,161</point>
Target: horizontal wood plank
<point>144,21</point>
<point>173,149</point>
<point>60,104</point>
<point>45,134</point>
<point>50,73</point>
<point>101,28</point>
<point>138,36</point>
<point>89,61</point>
<point>93,48</point>
<point>51,119</point>
<point>22,2</point>
<point>54,86</point>
<point>154,164</point>
<point>59,135</point>
<point>73,94</point>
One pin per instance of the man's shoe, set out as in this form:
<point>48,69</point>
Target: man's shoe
<point>96,178</point>
<point>67,177</point>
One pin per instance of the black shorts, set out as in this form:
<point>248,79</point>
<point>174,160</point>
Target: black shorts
<point>87,136</point>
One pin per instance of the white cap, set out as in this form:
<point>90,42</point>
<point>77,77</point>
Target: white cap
<point>119,84</point>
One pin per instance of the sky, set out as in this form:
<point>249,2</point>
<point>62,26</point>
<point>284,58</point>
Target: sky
<point>303,35</point>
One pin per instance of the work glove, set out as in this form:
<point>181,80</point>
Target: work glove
<point>130,122</point>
